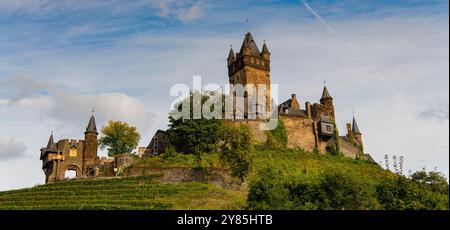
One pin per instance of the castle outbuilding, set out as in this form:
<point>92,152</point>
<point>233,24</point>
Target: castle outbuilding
<point>78,156</point>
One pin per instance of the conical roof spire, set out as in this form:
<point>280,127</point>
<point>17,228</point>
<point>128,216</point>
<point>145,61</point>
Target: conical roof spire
<point>91,128</point>
<point>355,129</point>
<point>51,142</point>
<point>326,94</point>
<point>265,50</point>
<point>250,43</point>
<point>231,56</point>
<point>51,147</point>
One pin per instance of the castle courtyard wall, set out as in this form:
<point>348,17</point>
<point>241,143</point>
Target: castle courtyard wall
<point>300,132</point>
<point>348,149</point>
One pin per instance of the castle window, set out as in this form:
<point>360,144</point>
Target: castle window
<point>73,151</point>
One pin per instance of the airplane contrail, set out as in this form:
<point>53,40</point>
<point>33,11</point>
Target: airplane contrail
<point>319,18</point>
<point>330,29</point>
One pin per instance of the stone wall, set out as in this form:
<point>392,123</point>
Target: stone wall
<point>259,135</point>
<point>348,149</point>
<point>176,175</point>
<point>300,132</point>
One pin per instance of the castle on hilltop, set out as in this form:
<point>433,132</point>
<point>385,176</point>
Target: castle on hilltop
<point>312,127</point>
<point>78,156</point>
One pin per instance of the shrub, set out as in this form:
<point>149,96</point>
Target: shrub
<point>277,138</point>
<point>342,191</point>
<point>237,149</point>
<point>400,193</point>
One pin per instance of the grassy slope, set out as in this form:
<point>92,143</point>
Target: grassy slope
<point>147,193</point>
<point>126,193</point>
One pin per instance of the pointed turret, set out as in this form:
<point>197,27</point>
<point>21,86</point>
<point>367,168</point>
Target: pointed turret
<point>51,146</point>
<point>265,52</point>
<point>51,142</point>
<point>90,141</point>
<point>231,56</point>
<point>325,94</point>
<point>326,104</point>
<point>249,46</point>
<point>91,127</point>
<point>357,134</point>
<point>355,129</point>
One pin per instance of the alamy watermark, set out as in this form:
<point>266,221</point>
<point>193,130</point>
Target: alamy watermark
<point>230,102</point>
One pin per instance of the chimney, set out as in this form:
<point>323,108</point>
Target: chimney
<point>349,128</point>
<point>308,109</point>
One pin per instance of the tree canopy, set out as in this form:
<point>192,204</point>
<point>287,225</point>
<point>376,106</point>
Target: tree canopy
<point>119,138</point>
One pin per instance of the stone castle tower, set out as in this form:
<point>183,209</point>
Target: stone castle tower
<point>251,67</point>
<point>311,128</point>
<point>71,155</point>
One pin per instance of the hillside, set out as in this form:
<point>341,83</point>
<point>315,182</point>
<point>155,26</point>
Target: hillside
<point>132,193</point>
<point>151,191</point>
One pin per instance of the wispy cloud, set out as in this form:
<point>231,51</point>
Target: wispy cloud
<point>122,57</point>
<point>11,149</point>
<point>183,10</point>
<point>438,111</point>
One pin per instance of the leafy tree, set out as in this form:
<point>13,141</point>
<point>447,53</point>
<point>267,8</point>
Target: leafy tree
<point>335,190</point>
<point>119,138</point>
<point>400,193</point>
<point>435,180</point>
<point>343,191</point>
<point>237,149</point>
<point>194,136</point>
<point>268,191</point>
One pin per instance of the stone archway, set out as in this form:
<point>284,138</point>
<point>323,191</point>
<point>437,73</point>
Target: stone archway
<point>71,172</point>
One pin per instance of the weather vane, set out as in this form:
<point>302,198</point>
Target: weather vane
<point>246,20</point>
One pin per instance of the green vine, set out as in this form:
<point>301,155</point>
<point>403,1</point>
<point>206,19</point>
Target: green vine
<point>277,138</point>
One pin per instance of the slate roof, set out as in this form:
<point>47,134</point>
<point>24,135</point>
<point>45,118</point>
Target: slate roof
<point>355,128</point>
<point>326,94</point>
<point>249,42</point>
<point>231,55</point>
<point>265,49</point>
<point>326,119</point>
<point>51,146</point>
<point>91,128</point>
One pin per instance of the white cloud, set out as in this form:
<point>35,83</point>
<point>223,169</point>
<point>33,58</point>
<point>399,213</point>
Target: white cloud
<point>11,149</point>
<point>74,109</point>
<point>184,11</point>
<point>131,79</point>
<point>4,102</point>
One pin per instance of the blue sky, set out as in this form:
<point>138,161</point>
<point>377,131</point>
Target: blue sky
<point>386,59</point>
